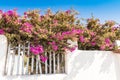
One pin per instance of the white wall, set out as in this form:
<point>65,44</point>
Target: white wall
<point>93,65</point>
<point>117,42</point>
<point>80,65</point>
<point>3,47</point>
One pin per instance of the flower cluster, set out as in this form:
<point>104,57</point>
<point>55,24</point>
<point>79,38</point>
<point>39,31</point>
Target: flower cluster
<point>37,50</point>
<point>27,27</point>
<point>54,45</point>
<point>1,31</point>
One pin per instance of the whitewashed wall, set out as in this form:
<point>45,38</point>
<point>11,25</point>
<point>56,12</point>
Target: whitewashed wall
<point>80,65</point>
<point>3,49</point>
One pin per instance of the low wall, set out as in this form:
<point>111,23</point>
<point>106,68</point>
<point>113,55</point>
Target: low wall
<point>80,65</point>
<point>93,65</point>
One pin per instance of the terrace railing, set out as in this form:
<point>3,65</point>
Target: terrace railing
<point>19,61</point>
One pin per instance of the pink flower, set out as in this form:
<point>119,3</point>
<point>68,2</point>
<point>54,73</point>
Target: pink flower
<point>107,40</point>
<point>111,47</point>
<point>93,43</point>
<point>80,31</point>
<point>11,13</point>
<point>1,11</point>
<point>25,13</point>
<point>68,11</point>
<point>37,49</point>
<point>27,24</point>
<point>66,33</point>
<point>92,33</point>
<point>73,48</point>
<point>77,31</point>
<point>60,37</point>
<point>55,22</point>
<point>81,39</point>
<point>102,47</point>
<point>34,51</point>
<point>43,58</point>
<point>0,16</point>
<point>40,48</point>
<point>52,43</point>
<point>55,47</point>
<point>27,27</point>
<point>114,28</point>
<point>2,31</point>
<point>107,44</point>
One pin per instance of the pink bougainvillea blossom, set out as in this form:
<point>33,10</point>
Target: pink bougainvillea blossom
<point>55,47</point>
<point>11,13</point>
<point>102,47</point>
<point>43,58</point>
<point>81,39</point>
<point>1,11</point>
<point>92,33</point>
<point>55,22</point>
<point>52,43</point>
<point>2,31</point>
<point>73,48</point>
<point>107,44</point>
<point>34,51</point>
<point>93,43</point>
<point>59,36</point>
<point>66,33</point>
<point>107,40</point>
<point>111,47</point>
<point>27,27</point>
<point>25,13</point>
<point>38,49</point>
<point>68,11</point>
<point>77,31</point>
<point>1,14</point>
<point>42,31</point>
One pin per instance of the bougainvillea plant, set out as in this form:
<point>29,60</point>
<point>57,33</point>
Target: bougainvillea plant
<point>46,32</point>
<point>50,31</point>
<point>97,36</point>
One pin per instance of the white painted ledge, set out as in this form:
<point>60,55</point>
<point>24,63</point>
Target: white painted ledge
<point>80,65</point>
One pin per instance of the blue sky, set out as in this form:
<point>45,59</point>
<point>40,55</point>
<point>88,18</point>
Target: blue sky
<point>103,9</point>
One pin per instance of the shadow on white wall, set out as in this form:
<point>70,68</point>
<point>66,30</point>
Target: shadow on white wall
<point>92,65</point>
